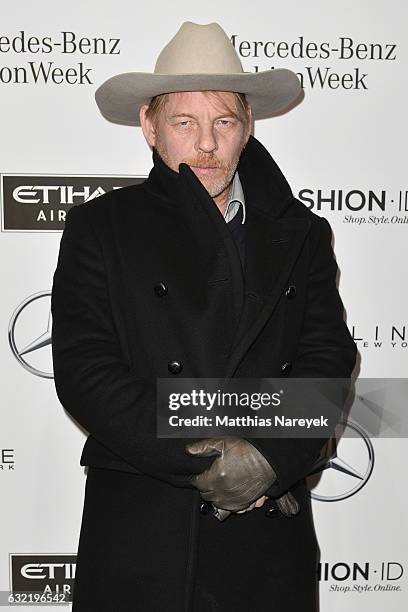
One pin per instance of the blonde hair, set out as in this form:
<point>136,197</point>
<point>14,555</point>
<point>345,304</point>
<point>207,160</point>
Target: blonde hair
<point>241,111</point>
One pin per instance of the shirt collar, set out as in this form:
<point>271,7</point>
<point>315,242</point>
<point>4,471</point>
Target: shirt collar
<point>235,198</point>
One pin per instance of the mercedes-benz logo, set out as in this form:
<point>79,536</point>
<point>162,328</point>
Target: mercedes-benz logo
<point>31,314</point>
<point>344,466</point>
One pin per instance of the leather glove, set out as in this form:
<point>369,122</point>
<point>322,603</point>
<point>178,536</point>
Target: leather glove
<point>287,504</point>
<point>239,475</point>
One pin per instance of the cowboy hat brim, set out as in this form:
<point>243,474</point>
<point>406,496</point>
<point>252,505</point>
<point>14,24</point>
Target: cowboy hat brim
<point>269,93</point>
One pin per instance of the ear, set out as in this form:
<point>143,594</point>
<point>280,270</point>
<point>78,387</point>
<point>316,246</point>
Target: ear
<point>147,126</point>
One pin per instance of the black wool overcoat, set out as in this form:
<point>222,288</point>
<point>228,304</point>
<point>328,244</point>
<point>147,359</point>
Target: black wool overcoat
<point>145,543</point>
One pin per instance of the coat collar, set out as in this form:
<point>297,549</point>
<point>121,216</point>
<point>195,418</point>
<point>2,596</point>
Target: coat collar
<point>263,184</point>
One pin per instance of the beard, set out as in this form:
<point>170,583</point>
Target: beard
<point>214,185</point>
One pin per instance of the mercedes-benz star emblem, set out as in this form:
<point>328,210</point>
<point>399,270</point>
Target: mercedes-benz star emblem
<point>32,348</point>
<point>344,466</point>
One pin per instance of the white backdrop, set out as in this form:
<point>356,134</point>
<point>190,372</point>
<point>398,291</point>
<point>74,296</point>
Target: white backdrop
<point>342,150</point>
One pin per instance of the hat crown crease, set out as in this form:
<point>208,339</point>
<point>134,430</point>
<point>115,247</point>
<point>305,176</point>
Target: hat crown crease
<point>199,49</point>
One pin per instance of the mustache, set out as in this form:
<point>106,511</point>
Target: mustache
<point>204,161</point>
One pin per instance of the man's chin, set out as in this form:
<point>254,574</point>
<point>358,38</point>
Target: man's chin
<point>213,190</point>
<point>214,187</point>
<point>209,177</point>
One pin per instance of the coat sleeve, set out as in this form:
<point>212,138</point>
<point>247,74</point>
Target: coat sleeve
<point>325,350</point>
<point>93,381</point>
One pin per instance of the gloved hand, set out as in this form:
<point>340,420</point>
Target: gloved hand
<point>239,475</point>
<point>287,504</point>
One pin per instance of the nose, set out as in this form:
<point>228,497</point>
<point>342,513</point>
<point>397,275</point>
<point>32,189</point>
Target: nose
<point>206,140</point>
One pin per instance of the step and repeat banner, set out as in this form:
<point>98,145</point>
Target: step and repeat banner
<point>343,152</point>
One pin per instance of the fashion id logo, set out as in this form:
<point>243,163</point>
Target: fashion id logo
<point>361,576</point>
<point>368,207</point>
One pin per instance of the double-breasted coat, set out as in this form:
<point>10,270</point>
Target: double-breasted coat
<point>149,284</point>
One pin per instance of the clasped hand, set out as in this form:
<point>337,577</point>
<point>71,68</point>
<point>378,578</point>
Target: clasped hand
<point>238,476</point>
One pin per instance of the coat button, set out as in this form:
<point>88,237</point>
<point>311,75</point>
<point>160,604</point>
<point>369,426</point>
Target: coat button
<point>286,368</point>
<point>174,367</point>
<point>160,289</point>
<point>271,512</point>
<point>205,508</point>
<point>290,292</point>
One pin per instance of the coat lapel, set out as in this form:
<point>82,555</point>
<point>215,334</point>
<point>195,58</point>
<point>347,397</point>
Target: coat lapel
<point>272,247</point>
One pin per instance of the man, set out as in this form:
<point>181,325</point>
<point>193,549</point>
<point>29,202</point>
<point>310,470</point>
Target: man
<point>210,268</point>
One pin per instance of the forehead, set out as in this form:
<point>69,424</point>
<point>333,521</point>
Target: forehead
<point>184,101</point>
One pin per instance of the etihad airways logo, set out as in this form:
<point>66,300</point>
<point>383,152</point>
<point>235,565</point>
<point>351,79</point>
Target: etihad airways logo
<point>41,202</point>
<point>40,578</point>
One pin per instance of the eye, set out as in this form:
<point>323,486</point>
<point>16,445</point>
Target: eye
<point>184,124</point>
<point>223,123</point>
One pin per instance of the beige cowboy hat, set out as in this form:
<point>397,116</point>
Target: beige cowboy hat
<point>197,58</point>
